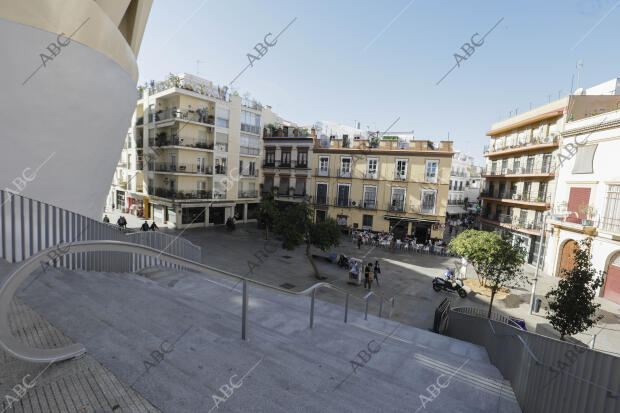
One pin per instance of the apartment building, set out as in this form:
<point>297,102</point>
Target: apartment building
<point>520,174</point>
<point>464,186</point>
<point>287,161</point>
<point>192,155</point>
<point>382,183</point>
<point>588,190</point>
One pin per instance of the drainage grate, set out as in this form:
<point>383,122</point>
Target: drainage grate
<point>287,286</point>
<point>287,256</point>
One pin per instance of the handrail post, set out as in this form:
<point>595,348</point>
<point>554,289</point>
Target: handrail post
<point>312,308</point>
<point>366,311</point>
<point>392,309</point>
<point>244,312</point>
<point>346,308</point>
<point>380,306</point>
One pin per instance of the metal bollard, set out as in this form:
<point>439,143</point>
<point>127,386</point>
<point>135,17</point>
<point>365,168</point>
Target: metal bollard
<point>244,312</point>
<point>346,308</point>
<point>366,311</point>
<point>312,308</point>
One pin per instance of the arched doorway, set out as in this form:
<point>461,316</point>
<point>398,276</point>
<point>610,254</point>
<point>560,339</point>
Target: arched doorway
<point>611,289</point>
<point>567,259</point>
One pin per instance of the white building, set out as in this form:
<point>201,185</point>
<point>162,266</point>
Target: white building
<point>588,187</point>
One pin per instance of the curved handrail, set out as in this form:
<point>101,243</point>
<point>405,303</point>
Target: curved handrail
<point>19,275</point>
<point>474,311</point>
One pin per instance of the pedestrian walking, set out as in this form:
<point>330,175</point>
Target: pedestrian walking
<point>377,271</point>
<point>154,227</point>
<point>371,275</point>
<point>145,226</point>
<point>353,272</point>
<point>359,242</point>
<point>106,219</point>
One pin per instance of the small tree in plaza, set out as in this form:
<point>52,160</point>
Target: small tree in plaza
<point>296,226</point>
<point>571,305</point>
<point>497,262</point>
<point>268,212</point>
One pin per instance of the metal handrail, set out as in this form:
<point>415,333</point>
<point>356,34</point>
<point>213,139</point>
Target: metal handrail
<point>27,267</point>
<point>611,392</point>
<point>478,312</point>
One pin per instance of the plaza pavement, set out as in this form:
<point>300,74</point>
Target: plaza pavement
<point>405,275</point>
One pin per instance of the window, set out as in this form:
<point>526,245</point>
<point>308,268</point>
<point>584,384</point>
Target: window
<point>252,168</point>
<point>220,166</point>
<point>401,169</point>
<point>530,165</point>
<point>367,222</point>
<point>546,164</point>
<point>268,184</point>
<point>431,171</point>
<point>397,202</point>
<point>523,217</point>
<point>283,188</point>
<point>341,220</point>
<point>285,158</point>
<point>584,159</point>
<point>370,197</point>
<point>427,203</point>
<point>321,193</point>
<point>504,166</point>
<point>527,186</point>
<point>221,142</point>
<point>300,187</point>
<point>302,159</point>
<point>250,122</point>
<point>577,198</point>
<point>345,167</point>
<point>611,220</point>
<point>371,168</point>
<point>324,166</point>
<point>516,165</point>
<point>542,191</point>
<point>461,186</point>
<point>249,145</point>
<point>450,185</point>
<point>201,165</point>
<point>343,195</point>
<point>493,167</point>
<point>221,117</point>
<point>270,158</point>
<point>193,215</point>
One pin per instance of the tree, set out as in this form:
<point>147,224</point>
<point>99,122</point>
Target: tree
<point>571,305</point>
<point>496,261</point>
<point>296,226</point>
<point>268,212</point>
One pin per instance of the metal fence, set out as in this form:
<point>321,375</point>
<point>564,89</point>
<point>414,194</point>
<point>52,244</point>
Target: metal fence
<point>28,226</point>
<point>547,375</point>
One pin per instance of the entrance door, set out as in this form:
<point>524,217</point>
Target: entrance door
<point>399,228</point>
<point>612,280</point>
<point>320,215</point>
<point>567,259</point>
<point>217,215</point>
<point>421,234</point>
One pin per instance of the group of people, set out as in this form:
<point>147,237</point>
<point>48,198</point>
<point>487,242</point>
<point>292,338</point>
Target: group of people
<point>122,223</point>
<point>145,226</point>
<point>371,273</point>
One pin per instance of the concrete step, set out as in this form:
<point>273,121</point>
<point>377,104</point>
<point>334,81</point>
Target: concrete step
<point>122,318</point>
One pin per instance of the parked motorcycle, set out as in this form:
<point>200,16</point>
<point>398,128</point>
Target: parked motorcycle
<point>343,261</point>
<point>450,285</point>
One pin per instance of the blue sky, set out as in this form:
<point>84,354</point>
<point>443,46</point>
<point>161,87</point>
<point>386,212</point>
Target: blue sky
<point>375,61</point>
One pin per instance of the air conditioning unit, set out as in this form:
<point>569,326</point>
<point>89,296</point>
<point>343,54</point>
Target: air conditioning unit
<point>354,203</point>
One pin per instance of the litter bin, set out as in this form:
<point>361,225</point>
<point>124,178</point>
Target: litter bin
<point>537,304</point>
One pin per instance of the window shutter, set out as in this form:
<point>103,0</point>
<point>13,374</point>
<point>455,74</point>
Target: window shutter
<point>584,159</point>
<point>578,197</point>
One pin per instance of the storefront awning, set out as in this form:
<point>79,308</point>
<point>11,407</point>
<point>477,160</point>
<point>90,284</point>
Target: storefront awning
<point>421,221</point>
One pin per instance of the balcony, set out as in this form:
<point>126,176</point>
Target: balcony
<point>321,172</point>
<point>427,210</point>
<point>269,164</point>
<point>255,129</point>
<point>513,223</point>
<point>321,200</point>
<point>368,204</point>
<point>285,132</point>
<point>517,198</point>
<point>344,173</point>
<point>220,170</point>
<point>163,140</point>
<point>173,194</point>
<point>343,202</point>
<point>535,144</point>
<point>460,174</point>
<point>199,116</point>
<point>609,224</point>
<point>396,206</point>
<point>372,175</point>
<point>182,168</point>
<point>456,202</point>
<point>539,171</point>
<point>248,173</point>
<point>300,165</point>
<point>400,176</point>
<point>248,194</point>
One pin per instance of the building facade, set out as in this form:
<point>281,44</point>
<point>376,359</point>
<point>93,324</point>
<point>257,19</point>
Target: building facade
<point>588,191</point>
<point>520,174</point>
<point>382,183</point>
<point>464,188</point>
<point>192,155</point>
<point>287,161</point>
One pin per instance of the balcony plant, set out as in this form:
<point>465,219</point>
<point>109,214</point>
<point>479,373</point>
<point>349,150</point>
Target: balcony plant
<point>590,212</point>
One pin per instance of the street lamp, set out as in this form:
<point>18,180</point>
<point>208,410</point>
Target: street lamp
<point>540,247</point>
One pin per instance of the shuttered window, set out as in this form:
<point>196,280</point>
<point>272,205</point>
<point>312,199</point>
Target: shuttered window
<point>584,160</point>
<point>578,198</point>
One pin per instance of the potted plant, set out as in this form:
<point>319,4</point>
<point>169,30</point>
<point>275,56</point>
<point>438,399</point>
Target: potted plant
<point>590,212</point>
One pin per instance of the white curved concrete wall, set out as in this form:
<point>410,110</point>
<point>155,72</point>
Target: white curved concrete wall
<point>74,112</point>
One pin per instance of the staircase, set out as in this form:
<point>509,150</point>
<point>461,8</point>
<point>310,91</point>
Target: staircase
<point>174,337</point>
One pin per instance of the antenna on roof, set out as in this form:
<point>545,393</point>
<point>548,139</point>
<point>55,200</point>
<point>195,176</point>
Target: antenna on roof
<point>579,67</point>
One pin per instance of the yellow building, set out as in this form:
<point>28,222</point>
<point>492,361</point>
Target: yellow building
<point>399,185</point>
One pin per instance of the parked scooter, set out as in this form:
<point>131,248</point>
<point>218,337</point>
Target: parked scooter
<point>343,262</point>
<point>449,284</point>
